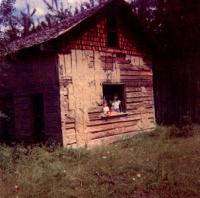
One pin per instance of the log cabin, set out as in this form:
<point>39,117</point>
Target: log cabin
<point>54,82</point>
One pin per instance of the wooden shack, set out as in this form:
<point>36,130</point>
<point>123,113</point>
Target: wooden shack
<point>54,81</point>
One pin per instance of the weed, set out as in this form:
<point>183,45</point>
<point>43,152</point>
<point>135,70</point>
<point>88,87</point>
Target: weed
<point>148,165</point>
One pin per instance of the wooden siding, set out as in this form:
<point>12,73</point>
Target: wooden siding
<point>71,84</point>
<point>83,66</point>
<point>28,75</point>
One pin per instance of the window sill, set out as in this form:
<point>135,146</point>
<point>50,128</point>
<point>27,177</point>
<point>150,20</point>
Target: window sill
<point>113,115</point>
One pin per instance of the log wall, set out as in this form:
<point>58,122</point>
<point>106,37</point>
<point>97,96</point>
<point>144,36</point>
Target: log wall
<point>83,68</point>
<point>28,75</point>
<point>71,84</point>
<point>82,73</point>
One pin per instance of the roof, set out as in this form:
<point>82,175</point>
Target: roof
<point>57,30</point>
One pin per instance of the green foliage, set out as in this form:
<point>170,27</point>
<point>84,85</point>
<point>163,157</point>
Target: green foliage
<point>174,24</point>
<point>56,12</point>
<point>148,165</point>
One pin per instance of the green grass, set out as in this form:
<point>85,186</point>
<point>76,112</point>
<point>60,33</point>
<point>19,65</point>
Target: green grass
<point>148,165</point>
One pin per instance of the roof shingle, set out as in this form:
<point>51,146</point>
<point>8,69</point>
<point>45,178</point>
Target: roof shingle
<point>55,31</point>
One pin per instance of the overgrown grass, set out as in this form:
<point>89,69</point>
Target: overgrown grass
<point>148,165</point>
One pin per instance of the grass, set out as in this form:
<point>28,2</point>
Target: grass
<point>148,165</point>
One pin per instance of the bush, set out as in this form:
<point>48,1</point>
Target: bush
<point>185,131</point>
<point>147,165</point>
<point>184,128</point>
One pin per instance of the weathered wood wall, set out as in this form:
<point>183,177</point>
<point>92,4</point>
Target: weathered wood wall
<point>29,73</point>
<point>71,84</point>
<point>82,70</point>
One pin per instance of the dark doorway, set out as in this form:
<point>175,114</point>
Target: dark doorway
<point>38,117</point>
<point>111,90</point>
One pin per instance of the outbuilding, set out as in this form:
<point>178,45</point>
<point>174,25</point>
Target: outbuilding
<point>85,81</point>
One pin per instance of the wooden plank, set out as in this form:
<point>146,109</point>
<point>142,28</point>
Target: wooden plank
<point>139,77</point>
<point>114,138</point>
<point>91,114</point>
<point>135,73</point>
<point>69,126</point>
<point>68,120</point>
<point>136,106</point>
<point>139,94</point>
<point>114,120</point>
<point>137,89</point>
<point>112,132</point>
<point>138,99</point>
<point>100,128</point>
<point>137,83</point>
<point>133,112</point>
<point>128,67</point>
<point>95,110</point>
<point>95,118</point>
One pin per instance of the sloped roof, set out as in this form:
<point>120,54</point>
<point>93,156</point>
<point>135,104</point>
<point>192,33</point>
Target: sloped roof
<point>57,30</point>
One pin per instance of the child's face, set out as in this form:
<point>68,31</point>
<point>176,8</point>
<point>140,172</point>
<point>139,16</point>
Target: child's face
<point>115,98</point>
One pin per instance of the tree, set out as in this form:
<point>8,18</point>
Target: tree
<point>174,23</point>
<point>8,23</point>
<point>26,20</point>
<point>175,26</point>
<point>14,24</point>
<point>56,12</point>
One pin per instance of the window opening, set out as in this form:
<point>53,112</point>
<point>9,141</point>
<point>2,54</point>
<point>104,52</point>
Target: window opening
<point>112,34</point>
<point>114,102</point>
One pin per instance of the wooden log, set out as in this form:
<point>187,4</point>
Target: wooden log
<point>136,106</point>
<point>113,120</point>
<point>95,113</point>
<point>69,133</point>
<point>100,128</point>
<point>138,77</point>
<point>95,110</point>
<point>133,112</point>
<point>95,116</point>
<point>138,99</point>
<point>69,126</point>
<point>135,73</point>
<point>139,94</point>
<point>129,67</point>
<point>68,119</point>
<point>137,89</point>
<point>111,139</point>
<point>112,132</point>
<point>137,83</point>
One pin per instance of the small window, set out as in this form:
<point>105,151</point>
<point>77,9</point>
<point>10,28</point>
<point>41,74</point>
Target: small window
<point>114,99</point>
<point>112,33</point>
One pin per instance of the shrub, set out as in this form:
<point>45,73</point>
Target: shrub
<point>184,128</point>
<point>184,131</point>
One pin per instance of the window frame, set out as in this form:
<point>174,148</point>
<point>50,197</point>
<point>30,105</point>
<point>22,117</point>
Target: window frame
<point>123,101</point>
<point>112,31</point>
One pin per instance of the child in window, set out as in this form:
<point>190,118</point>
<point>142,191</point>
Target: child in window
<point>116,104</point>
<point>106,109</point>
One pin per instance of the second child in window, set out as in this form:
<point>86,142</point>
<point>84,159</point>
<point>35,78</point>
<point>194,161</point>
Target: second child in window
<point>116,104</point>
